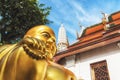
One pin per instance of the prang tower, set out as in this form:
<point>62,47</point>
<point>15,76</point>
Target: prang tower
<point>62,39</point>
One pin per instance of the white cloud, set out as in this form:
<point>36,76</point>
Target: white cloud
<point>71,30</point>
<point>54,18</point>
<point>83,15</point>
<point>78,8</point>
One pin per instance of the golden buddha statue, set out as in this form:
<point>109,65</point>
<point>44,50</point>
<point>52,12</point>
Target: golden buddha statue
<point>31,58</point>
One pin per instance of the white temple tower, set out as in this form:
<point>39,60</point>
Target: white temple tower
<point>62,39</point>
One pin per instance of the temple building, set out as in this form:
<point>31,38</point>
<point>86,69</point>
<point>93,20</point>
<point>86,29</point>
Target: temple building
<point>96,53</point>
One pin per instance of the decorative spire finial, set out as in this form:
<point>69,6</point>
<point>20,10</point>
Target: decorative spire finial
<point>82,29</point>
<point>105,20</point>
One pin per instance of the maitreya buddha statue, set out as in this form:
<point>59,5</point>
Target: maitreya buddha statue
<point>31,58</point>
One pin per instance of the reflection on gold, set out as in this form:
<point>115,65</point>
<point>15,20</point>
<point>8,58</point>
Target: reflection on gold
<point>31,58</point>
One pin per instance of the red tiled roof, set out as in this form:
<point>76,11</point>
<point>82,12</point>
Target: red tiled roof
<point>113,19</point>
<point>115,15</point>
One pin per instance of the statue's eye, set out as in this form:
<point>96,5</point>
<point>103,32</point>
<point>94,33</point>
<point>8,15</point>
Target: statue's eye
<point>46,35</point>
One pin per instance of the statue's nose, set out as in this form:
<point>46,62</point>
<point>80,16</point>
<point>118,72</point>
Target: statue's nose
<point>52,40</point>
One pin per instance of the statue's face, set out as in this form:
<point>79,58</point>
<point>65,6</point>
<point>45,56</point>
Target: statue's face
<point>45,34</point>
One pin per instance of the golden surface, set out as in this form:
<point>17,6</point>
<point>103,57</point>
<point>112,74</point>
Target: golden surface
<point>31,58</point>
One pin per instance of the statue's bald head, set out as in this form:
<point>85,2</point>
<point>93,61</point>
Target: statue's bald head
<point>37,30</point>
<point>45,34</point>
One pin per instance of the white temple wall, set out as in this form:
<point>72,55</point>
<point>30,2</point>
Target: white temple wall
<point>110,53</point>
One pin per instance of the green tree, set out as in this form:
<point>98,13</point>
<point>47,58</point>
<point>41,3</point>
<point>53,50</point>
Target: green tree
<point>17,16</point>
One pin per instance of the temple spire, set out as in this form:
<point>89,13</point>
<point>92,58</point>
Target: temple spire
<point>62,39</point>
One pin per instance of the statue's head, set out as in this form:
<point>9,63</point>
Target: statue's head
<point>46,34</point>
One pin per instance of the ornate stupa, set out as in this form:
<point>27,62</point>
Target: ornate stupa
<point>62,39</point>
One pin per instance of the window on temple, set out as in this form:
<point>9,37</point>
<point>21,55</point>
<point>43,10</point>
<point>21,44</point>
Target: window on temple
<point>99,70</point>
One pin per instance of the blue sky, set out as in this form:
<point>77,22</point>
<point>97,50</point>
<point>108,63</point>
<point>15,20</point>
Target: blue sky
<point>73,12</point>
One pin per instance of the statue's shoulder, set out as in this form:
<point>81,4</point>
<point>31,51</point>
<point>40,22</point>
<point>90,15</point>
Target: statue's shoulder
<point>59,72</point>
<point>4,47</point>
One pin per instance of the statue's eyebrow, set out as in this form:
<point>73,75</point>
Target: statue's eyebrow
<point>48,33</point>
<point>45,32</point>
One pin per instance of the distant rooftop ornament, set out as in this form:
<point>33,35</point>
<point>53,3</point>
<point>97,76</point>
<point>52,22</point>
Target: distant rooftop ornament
<point>105,16</point>
<point>105,20</point>
<point>82,29</point>
<point>77,34</point>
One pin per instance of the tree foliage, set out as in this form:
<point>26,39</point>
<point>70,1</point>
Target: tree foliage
<point>17,16</point>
